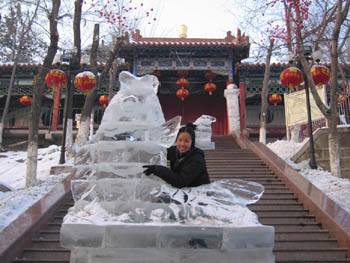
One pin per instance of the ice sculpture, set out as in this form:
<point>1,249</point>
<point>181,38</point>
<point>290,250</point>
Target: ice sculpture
<point>120,215</point>
<point>204,132</point>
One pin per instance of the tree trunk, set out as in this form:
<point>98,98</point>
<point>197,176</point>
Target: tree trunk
<point>7,104</point>
<point>333,141</point>
<point>22,34</point>
<point>111,84</point>
<point>75,65</point>
<point>264,93</point>
<point>333,144</point>
<point>32,153</point>
<point>83,132</point>
<point>92,118</point>
<point>287,15</point>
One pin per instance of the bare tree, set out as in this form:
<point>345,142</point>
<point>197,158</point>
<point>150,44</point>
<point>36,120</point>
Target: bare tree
<point>74,65</point>
<point>261,22</point>
<point>32,153</point>
<point>122,19</point>
<point>18,40</point>
<point>83,131</point>
<point>324,23</point>
<point>331,114</point>
<point>14,21</point>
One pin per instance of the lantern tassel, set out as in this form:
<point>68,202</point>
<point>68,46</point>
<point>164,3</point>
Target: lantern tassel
<point>53,88</point>
<point>86,92</point>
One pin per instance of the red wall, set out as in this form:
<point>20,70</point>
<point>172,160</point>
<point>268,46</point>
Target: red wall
<point>193,107</point>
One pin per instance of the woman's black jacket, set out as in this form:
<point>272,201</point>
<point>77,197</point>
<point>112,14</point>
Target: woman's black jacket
<point>186,170</point>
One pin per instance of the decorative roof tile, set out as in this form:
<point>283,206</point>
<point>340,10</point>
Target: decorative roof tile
<point>229,40</point>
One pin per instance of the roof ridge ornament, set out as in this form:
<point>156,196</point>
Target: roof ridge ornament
<point>137,35</point>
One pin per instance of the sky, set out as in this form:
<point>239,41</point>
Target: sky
<point>15,202</point>
<point>203,18</point>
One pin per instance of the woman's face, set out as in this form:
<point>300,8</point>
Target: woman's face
<point>184,142</point>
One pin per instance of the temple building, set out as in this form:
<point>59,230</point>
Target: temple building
<point>193,74</point>
<point>197,62</point>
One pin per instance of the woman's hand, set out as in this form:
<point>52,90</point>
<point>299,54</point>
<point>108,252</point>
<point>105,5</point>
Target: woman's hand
<point>150,169</point>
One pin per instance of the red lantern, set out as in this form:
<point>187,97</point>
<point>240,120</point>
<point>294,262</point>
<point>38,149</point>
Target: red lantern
<point>341,99</point>
<point>103,100</point>
<point>182,73</point>
<point>55,78</point>
<point>210,87</point>
<point>85,81</point>
<point>157,74</point>
<point>182,83</point>
<point>291,77</point>
<point>182,93</point>
<point>275,99</point>
<point>26,100</point>
<point>210,76</point>
<point>320,75</point>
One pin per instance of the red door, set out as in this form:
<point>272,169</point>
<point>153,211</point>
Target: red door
<point>193,107</point>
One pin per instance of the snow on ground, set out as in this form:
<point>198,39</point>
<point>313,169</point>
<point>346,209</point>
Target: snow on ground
<point>12,175</point>
<point>13,170</point>
<point>337,189</point>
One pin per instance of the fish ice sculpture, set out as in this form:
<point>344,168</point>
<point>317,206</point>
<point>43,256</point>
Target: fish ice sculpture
<point>135,114</point>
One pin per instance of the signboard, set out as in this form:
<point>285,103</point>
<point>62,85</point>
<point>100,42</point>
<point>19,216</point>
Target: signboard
<point>148,65</point>
<point>295,107</point>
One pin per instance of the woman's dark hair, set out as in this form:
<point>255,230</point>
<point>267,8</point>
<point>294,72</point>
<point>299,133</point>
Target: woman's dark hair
<point>189,128</point>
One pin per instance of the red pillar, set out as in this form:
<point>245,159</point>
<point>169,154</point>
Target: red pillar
<point>242,106</point>
<point>55,112</point>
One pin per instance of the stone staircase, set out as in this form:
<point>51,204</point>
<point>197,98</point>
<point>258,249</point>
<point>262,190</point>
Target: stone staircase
<point>320,138</point>
<point>298,237</point>
<point>46,247</point>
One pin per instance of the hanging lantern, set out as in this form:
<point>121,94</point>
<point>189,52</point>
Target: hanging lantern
<point>85,81</point>
<point>210,87</point>
<point>275,99</point>
<point>103,100</point>
<point>157,74</point>
<point>291,77</point>
<point>26,100</point>
<point>229,81</point>
<point>341,99</point>
<point>182,93</point>
<point>182,73</point>
<point>56,78</point>
<point>320,75</point>
<point>182,83</point>
<point>210,76</point>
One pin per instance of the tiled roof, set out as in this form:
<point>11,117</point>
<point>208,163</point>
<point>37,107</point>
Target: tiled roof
<point>260,65</point>
<point>229,40</point>
<point>283,65</point>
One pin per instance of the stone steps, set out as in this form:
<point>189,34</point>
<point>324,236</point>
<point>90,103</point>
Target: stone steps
<point>47,254</point>
<point>298,237</point>
<point>46,247</point>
